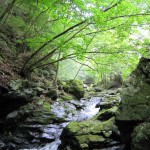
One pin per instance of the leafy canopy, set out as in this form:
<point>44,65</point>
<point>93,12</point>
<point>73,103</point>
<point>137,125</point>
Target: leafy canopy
<point>106,36</point>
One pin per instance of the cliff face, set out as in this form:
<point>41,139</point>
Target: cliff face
<point>133,115</point>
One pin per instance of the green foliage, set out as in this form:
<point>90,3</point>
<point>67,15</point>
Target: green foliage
<point>109,39</point>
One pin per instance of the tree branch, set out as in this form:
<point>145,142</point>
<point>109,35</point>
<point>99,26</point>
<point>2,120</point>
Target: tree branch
<point>81,63</point>
<point>131,15</point>
<point>48,42</point>
<point>110,7</point>
<point>53,51</point>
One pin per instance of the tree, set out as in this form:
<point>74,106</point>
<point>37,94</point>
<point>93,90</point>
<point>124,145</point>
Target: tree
<point>69,26</point>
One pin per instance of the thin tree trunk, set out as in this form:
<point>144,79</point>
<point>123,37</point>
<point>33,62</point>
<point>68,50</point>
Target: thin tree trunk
<point>56,76</point>
<point>78,72</point>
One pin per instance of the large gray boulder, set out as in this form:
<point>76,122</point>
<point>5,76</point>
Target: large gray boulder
<point>135,105</point>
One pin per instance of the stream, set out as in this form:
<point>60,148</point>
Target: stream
<point>72,111</point>
<point>32,134</point>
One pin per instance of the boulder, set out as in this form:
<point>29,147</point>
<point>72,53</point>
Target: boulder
<point>43,115</point>
<point>10,102</point>
<point>89,134</point>
<point>75,87</point>
<point>135,105</point>
<point>17,116</point>
<point>141,137</point>
<point>106,114</point>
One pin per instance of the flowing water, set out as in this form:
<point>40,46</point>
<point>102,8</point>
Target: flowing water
<point>70,111</point>
<point>32,135</point>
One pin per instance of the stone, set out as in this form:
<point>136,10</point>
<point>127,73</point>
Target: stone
<point>53,94</point>
<point>42,115</point>
<point>135,104</point>
<point>98,89</point>
<point>75,87</point>
<point>10,102</point>
<point>141,137</point>
<point>107,105</point>
<point>106,114</point>
<point>15,117</point>
<point>89,134</point>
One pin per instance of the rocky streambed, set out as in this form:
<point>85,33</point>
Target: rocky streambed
<point>74,124</point>
<point>100,122</point>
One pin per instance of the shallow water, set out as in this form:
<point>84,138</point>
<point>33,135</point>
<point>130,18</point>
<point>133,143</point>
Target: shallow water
<point>70,111</point>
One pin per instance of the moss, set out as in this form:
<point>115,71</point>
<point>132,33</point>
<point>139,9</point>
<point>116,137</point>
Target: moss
<point>43,118</point>
<point>74,87</point>
<point>114,98</point>
<point>46,107</point>
<point>67,97</point>
<point>141,137</point>
<point>89,138</point>
<point>89,127</point>
<point>43,115</point>
<point>106,114</point>
<point>135,105</point>
<point>88,134</point>
<point>84,146</point>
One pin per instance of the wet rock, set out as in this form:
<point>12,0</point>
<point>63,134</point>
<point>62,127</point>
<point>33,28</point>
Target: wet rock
<point>15,117</point>
<point>2,145</point>
<point>77,104</point>
<point>112,92</point>
<point>89,134</point>
<point>11,146</point>
<point>135,105</point>
<point>98,105</point>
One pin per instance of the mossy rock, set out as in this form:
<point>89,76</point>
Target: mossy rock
<point>141,137</point>
<point>135,104</point>
<point>74,87</point>
<point>67,97</point>
<point>106,114</point>
<point>87,134</point>
<point>89,141</point>
<point>52,93</point>
<point>89,127</point>
<point>23,87</point>
<point>43,115</point>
